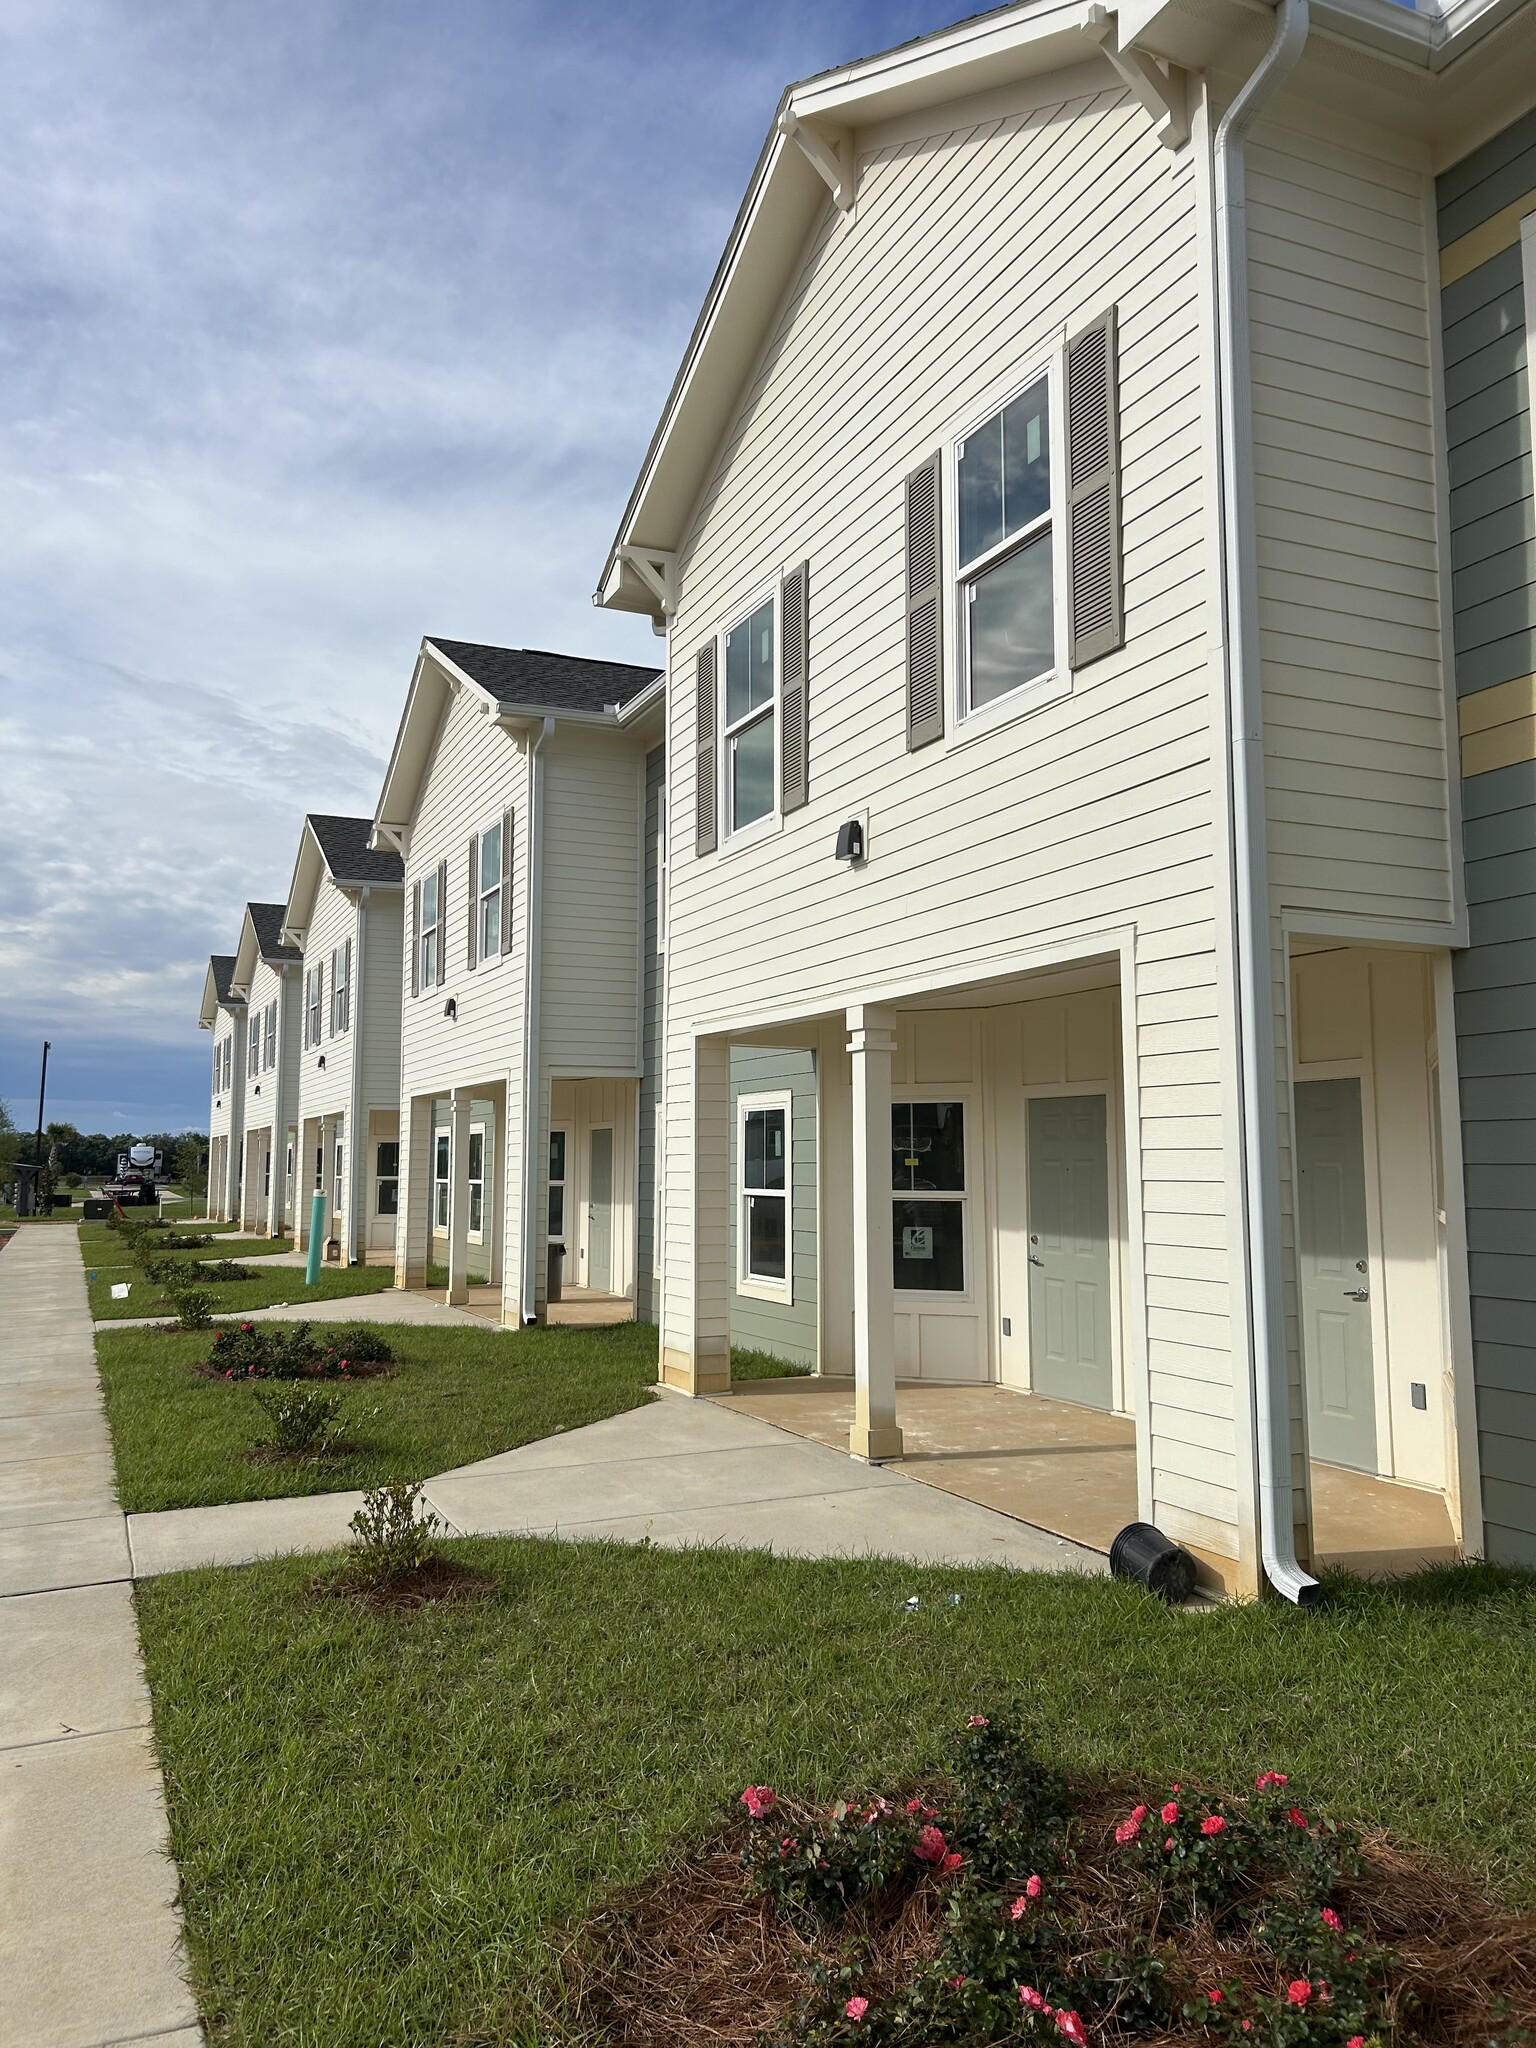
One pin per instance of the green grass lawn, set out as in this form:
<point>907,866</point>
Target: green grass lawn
<point>236,1297</point>
<point>454,1395</point>
<point>382,1822</point>
<point>100,1247</point>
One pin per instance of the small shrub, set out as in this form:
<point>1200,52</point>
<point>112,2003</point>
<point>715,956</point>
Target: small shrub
<point>394,1536</point>
<point>194,1307</point>
<point>301,1421</point>
<point>291,1351</point>
<point>185,1240</point>
<point>361,1344</point>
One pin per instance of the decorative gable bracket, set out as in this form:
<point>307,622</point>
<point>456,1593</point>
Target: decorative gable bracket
<point>829,155</point>
<point>1162,89</point>
<point>657,570</point>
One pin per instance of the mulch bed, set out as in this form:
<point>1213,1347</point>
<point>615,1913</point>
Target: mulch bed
<point>691,1959</point>
<point>311,1376</point>
<point>440,1578</point>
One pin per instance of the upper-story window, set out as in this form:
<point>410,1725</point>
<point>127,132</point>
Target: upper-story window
<point>488,895</point>
<point>341,987</point>
<point>313,978</point>
<point>229,1058</point>
<point>218,1065</point>
<point>270,1049</point>
<point>254,1050</point>
<point>750,718</point>
<point>1005,549</point>
<point>431,938</point>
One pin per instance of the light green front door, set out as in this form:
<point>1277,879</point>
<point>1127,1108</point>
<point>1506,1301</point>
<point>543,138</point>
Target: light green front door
<point>1069,1277</point>
<point>600,1211</point>
<point>1333,1265</point>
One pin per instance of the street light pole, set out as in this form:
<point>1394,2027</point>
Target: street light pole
<point>42,1090</point>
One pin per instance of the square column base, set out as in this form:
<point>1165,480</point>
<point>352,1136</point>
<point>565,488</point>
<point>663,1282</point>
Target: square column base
<point>875,1444</point>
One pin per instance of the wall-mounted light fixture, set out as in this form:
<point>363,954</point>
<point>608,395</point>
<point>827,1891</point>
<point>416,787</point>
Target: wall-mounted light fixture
<point>257,1089</point>
<point>321,1061</point>
<point>850,840</point>
<point>451,1008</point>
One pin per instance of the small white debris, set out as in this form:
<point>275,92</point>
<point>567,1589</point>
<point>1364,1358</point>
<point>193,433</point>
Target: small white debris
<point>955,1599</point>
<point>913,1603</point>
<point>120,1289</point>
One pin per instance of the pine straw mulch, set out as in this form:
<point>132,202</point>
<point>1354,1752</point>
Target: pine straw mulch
<point>438,1579</point>
<point>691,1959</point>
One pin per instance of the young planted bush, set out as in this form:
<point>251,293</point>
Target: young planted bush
<point>301,1422</point>
<point>394,1536</point>
<point>194,1306</point>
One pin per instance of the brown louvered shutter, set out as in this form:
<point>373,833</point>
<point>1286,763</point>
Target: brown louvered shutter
<point>1096,600</point>
<point>442,922</point>
<point>415,938</point>
<point>506,881</point>
<point>474,900</point>
<point>706,771</point>
<point>925,695</point>
<point>794,686</point>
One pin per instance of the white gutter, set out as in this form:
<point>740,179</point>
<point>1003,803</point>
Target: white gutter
<point>1255,995</point>
<point>357,1139</point>
<point>532,1055</point>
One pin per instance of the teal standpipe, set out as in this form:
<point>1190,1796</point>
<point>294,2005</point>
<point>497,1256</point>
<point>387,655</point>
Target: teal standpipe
<point>316,1237</point>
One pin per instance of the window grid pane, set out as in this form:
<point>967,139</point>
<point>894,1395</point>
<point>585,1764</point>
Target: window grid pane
<point>752,772</point>
<point>749,664</point>
<point>1011,622</point>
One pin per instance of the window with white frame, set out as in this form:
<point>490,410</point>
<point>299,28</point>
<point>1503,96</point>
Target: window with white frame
<point>431,937</point>
<point>762,1223</point>
<point>341,987</point>
<point>490,909</point>
<point>253,1051</point>
<point>218,1065</point>
<point>312,1006</point>
<point>442,1168</point>
<point>270,1049</point>
<point>750,684</point>
<point>387,1178</point>
<point>928,1201</point>
<point>229,1058</point>
<point>1005,549</point>
<point>338,1170</point>
<point>476,1181</point>
<point>557,1187</point>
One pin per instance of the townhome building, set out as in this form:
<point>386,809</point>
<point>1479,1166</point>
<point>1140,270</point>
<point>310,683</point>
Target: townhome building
<point>1053,523</point>
<point>517,796</point>
<point>265,977</point>
<point>345,915</point>
<point>223,1015</point>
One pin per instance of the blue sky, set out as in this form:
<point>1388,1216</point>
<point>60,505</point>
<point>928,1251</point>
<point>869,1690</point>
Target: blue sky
<point>323,325</point>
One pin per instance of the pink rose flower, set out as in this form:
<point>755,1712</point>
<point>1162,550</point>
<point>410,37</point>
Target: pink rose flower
<point>759,1799</point>
<point>930,1846</point>
<point>1072,2026</point>
<point>977,1721</point>
<point>1355,2041</point>
<point>1216,1997</point>
<point>1138,1813</point>
<point>1296,1817</point>
<point>951,1862</point>
<point>1271,1781</point>
<point>1213,1824</point>
<point>1170,1813</point>
<point>1031,2000</point>
<point>1127,1832</point>
<point>856,2008</point>
<point>954,1983</point>
<point>1299,1991</point>
<point>1019,1908</point>
<point>1331,1919</point>
<point>1034,1886</point>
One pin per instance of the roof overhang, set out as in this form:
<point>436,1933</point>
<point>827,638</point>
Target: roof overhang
<point>790,185</point>
<point>247,959</point>
<point>208,1014</point>
<point>309,866</point>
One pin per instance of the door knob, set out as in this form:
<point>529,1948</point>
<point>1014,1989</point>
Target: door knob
<point>1357,1294</point>
<point>1034,1261</point>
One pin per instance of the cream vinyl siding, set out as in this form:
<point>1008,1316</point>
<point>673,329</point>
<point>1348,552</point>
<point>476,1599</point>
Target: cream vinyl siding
<point>1344,458</point>
<point>475,773</point>
<point>376,998</point>
<point>594,825</point>
<point>1091,814</point>
<point>327,1091</point>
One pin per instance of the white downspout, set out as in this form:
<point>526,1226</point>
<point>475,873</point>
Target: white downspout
<point>1255,996</point>
<point>357,1138</point>
<point>532,1054</point>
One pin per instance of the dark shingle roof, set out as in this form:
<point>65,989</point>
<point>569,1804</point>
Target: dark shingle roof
<point>222,966</point>
<point>268,920</point>
<point>556,682</point>
<point>344,843</point>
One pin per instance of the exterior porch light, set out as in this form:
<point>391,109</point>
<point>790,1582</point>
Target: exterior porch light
<point>321,1061</point>
<point>850,840</point>
<point>451,1008</point>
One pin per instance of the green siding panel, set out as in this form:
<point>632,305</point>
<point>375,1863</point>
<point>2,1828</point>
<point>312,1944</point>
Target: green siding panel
<point>1493,575</point>
<point>1508,917</point>
<point>1501,789</point>
<point>1510,966</point>
<point>1507,1369</point>
<point>1492,1009</point>
<point>1476,540</point>
<point>1504,1230</point>
<point>1501,1183</point>
<point>1486,1100</point>
<point>1484,304</point>
<point>1510,1143</point>
<point>1499,1321</point>
<point>1504,1276</point>
<point>1488,179</point>
<point>1508,485</point>
<point>1510,1412</point>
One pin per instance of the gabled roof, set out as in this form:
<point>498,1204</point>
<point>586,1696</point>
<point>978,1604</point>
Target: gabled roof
<point>528,679</point>
<point>338,847</point>
<point>217,992</point>
<point>813,142</point>
<point>516,687</point>
<point>260,939</point>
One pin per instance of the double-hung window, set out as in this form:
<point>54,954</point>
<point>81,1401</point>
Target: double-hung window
<point>218,1066</point>
<point>442,1165</point>
<point>476,1182</point>
<point>557,1187</point>
<point>253,1060</point>
<point>270,1054</point>
<point>341,987</point>
<point>387,1194</point>
<point>763,1221</point>
<point>488,895</point>
<point>751,719</point>
<point>312,1006</point>
<point>928,1197</point>
<point>229,1057</point>
<point>431,928</point>
<point>1005,550</point>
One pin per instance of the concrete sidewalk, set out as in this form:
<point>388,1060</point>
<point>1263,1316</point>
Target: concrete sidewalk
<point>676,1473</point>
<point>388,1305</point>
<point>90,1938</point>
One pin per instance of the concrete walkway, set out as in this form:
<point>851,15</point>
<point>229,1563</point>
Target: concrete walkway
<point>389,1305</point>
<point>90,1938</point>
<point>676,1472</point>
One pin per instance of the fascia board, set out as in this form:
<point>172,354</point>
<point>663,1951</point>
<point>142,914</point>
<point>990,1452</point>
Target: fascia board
<point>650,697</point>
<point>408,758</point>
<point>975,56</point>
<point>308,866</point>
<point>246,958</point>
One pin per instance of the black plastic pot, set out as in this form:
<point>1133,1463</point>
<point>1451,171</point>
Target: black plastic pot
<point>1144,1554</point>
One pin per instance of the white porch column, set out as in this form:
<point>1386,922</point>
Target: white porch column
<point>413,1219</point>
<point>458,1201</point>
<point>871,1042</point>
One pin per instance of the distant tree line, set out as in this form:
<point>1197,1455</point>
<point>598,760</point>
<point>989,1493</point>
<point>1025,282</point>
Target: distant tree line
<point>93,1154</point>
